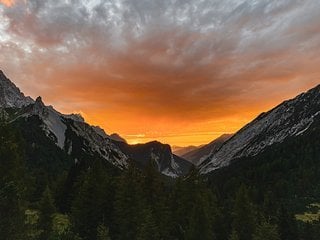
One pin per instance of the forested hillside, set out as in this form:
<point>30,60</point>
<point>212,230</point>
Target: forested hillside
<point>159,120</point>
<point>256,198</point>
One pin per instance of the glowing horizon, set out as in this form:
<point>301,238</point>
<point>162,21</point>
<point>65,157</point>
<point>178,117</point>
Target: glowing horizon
<point>180,72</point>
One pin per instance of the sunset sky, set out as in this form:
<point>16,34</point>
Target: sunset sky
<point>179,71</point>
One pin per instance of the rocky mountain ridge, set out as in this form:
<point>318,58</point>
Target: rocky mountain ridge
<point>72,134</point>
<point>290,118</point>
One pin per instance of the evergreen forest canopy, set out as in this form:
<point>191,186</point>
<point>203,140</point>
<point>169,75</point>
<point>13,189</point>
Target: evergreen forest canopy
<point>147,69</point>
<point>46,195</point>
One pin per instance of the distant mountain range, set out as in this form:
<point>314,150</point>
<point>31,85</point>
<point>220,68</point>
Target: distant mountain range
<point>180,151</point>
<point>117,137</point>
<point>198,154</point>
<point>74,137</point>
<point>71,137</point>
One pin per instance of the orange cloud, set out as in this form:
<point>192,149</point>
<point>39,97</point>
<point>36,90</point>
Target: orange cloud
<point>8,3</point>
<point>142,102</point>
<point>172,81</point>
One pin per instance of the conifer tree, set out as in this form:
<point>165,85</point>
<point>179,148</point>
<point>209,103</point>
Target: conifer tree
<point>287,225</point>
<point>11,185</point>
<point>47,209</point>
<point>103,232</point>
<point>266,231</point>
<point>234,235</point>
<point>93,201</point>
<point>129,203</point>
<point>149,228</point>
<point>202,217</point>
<point>243,215</point>
<point>156,199</point>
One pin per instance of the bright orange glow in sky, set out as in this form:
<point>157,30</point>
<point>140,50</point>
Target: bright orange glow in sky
<point>8,3</point>
<point>137,128</point>
<point>174,132</point>
<point>181,72</point>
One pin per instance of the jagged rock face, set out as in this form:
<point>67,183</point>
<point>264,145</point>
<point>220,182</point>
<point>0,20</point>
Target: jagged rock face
<point>96,142</point>
<point>53,122</point>
<point>290,118</point>
<point>10,95</point>
<point>157,154</point>
<point>77,138</point>
<point>92,140</point>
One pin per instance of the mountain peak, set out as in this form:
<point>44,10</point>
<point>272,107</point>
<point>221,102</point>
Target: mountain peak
<point>1,74</point>
<point>117,137</point>
<point>3,78</point>
<point>39,108</point>
<point>39,101</point>
<point>289,119</point>
<point>10,95</point>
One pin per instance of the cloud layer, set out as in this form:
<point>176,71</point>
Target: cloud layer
<point>182,67</point>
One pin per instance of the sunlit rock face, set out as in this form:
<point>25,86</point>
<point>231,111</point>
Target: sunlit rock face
<point>289,119</point>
